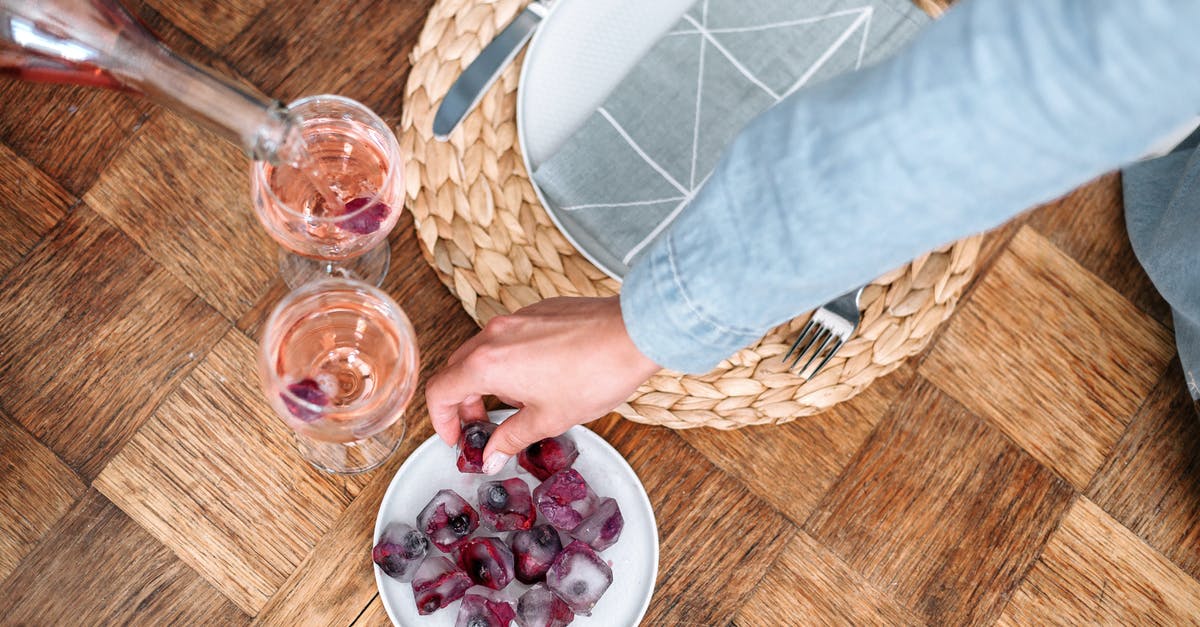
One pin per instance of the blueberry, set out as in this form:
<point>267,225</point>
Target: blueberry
<point>460,525</point>
<point>578,588</point>
<point>478,621</point>
<point>546,537</point>
<point>476,438</point>
<point>497,496</point>
<point>415,544</point>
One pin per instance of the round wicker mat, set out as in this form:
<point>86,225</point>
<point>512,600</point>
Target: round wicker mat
<point>484,232</point>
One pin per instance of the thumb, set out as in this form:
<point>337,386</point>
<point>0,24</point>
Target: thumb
<point>511,437</point>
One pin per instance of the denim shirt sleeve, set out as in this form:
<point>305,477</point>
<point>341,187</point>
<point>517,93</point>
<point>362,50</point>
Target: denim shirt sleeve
<point>996,107</point>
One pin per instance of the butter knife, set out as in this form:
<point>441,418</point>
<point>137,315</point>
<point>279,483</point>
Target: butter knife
<point>466,92</point>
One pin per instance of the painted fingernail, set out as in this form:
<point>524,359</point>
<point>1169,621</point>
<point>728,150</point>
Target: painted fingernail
<point>494,463</point>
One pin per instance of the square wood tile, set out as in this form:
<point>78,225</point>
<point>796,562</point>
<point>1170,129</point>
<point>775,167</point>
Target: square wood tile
<point>1094,571</point>
<point>98,567</point>
<point>374,616</point>
<point>215,476</point>
<point>31,203</point>
<point>184,196</point>
<point>810,584</point>
<point>1051,355</point>
<point>791,466</point>
<point>716,538</point>
<point>1151,484</point>
<point>211,22</point>
<point>1089,225</point>
<point>36,489</point>
<point>93,334</point>
<point>940,510</point>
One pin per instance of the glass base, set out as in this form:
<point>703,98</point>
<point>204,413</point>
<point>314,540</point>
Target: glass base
<point>370,267</point>
<point>352,457</point>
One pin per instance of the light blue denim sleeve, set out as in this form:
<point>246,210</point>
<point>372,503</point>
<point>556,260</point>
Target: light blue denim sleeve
<point>998,106</point>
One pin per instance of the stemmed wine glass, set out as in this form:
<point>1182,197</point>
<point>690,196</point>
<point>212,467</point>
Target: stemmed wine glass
<point>338,362</point>
<point>332,211</point>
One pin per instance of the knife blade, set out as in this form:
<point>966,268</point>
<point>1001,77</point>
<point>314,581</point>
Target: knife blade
<point>474,82</point>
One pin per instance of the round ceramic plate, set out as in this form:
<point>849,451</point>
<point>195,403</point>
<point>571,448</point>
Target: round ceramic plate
<point>580,53</point>
<point>634,558</point>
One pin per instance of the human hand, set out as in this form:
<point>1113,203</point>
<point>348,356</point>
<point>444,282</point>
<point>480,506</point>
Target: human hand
<point>561,362</point>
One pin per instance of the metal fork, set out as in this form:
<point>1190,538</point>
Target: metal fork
<point>830,326</point>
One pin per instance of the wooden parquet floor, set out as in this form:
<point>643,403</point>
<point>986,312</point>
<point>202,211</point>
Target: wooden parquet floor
<point>1037,464</point>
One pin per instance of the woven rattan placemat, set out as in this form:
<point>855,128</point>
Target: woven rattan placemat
<point>483,230</point>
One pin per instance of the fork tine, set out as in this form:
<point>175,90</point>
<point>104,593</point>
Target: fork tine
<point>828,336</point>
<point>799,339</point>
<point>819,333</point>
<point>832,350</point>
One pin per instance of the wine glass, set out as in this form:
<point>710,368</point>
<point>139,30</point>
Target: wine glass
<point>338,363</point>
<point>332,210</point>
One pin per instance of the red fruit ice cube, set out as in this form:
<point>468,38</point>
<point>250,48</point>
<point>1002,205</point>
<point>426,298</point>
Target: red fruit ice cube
<point>539,607</point>
<point>400,551</point>
<point>482,607</point>
<point>368,215</point>
<point>534,550</point>
<point>579,577</point>
<point>506,505</point>
<point>470,445</point>
<point>448,519</point>
<point>564,499</point>
<point>308,391</point>
<point>546,457</point>
<point>602,527</point>
<point>488,561</point>
<point>438,583</point>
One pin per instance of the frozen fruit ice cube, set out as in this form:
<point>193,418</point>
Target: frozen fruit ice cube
<point>369,214</point>
<point>448,519</point>
<point>579,577</point>
<point>564,499</point>
<point>546,457</point>
<point>470,445</point>
<point>309,391</point>
<point>438,583</point>
<point>602,527</point>
<point>400,551</point>
<point>539,607</point>
<point>534,550</point>
<point>487,560</point>
<point>506,505</point>
<point>482,607</point>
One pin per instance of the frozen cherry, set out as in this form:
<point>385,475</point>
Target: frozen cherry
<point>482,607</point>
<point>400,551</point>
<point>438,583</point>
<point>448,519</point>
<point>546,457</point>
<point>602,527</point>
<point>369,214</point>
<point>470,445</point>
<point>564,499</point>
<point>488,561</point>
<point>579,577</point>
<point>506,505</point>
<point>308,391</point>
<point>534,550</point>
<point>539,607</point>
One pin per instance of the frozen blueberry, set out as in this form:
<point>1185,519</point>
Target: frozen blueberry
<point>546,457</point>
<point>448,519</point>
<point>309,391</point>
<point>534,550</point>
<point>488,561</point>
<point>400,551</point>
<point>539,607</point>
<point>564,499</point>
<point>438,583</point>
<point>369,214</point>
<point>506,505</point>
<point>579,577</point>
<point>470,445</point>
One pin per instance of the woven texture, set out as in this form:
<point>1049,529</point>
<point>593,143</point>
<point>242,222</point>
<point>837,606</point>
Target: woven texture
<point>483,230</point>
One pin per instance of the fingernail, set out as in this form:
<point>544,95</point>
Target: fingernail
<point>494,463</point>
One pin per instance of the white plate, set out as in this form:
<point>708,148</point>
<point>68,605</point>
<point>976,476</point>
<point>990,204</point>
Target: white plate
<point>580,53</point>
<point>634,558</point>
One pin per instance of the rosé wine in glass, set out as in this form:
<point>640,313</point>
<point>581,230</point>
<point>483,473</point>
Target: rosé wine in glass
<point>338,363</point>
<point>333,210</point>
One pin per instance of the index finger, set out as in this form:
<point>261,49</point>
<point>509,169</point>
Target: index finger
<point>447,392</point>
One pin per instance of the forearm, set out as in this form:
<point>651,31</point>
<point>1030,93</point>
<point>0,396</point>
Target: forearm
<point>995,108</point>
